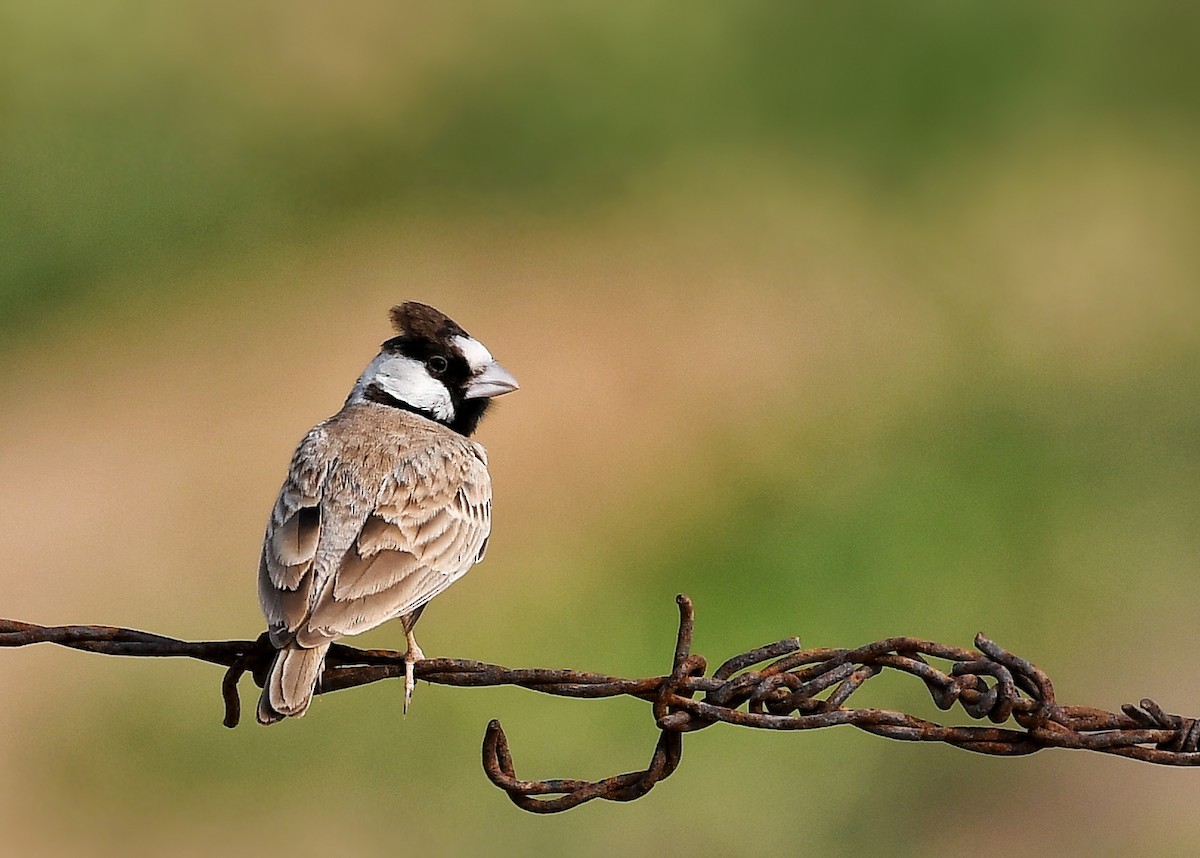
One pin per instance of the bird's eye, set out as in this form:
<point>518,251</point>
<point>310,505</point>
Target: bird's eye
<point>437,364</point>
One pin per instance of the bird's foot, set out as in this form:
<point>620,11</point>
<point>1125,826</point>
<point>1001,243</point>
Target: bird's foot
<point>411,656</point>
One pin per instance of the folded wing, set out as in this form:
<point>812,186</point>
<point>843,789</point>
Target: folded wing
<point>424,535</point>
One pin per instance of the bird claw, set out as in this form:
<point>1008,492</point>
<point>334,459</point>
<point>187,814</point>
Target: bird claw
<point>411,656</point>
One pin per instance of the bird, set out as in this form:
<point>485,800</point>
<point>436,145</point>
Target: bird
<point>385,505</point>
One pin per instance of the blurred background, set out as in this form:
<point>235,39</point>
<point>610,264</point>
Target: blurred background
<point>848,322</point>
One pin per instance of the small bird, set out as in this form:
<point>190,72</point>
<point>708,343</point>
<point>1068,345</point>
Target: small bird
<point>386,504</point>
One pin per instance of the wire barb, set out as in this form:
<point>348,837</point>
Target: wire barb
<point>794,690</point>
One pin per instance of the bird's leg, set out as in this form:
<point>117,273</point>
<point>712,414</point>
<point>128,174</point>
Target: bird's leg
<point>412,655</point>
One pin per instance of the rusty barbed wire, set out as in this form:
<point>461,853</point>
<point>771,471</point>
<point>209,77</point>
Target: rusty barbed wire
<point>797,690</point>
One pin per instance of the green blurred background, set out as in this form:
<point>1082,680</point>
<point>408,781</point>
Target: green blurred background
<point>847,320</point>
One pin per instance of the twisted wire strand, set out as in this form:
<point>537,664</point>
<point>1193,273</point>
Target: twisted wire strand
<point>774,687</point>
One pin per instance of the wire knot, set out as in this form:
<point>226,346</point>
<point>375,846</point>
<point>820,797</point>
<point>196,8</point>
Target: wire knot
<point>1185,732</point>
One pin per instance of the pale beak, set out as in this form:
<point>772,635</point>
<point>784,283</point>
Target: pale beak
<point>490,381</point>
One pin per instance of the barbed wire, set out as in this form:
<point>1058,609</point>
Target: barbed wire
<point>797,690</point>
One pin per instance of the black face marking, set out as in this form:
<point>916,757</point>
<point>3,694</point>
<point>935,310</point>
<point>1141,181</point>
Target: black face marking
<point>376,393</point>
<point>467,414</point>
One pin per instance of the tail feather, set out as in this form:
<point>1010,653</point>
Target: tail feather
<point>290,685</point>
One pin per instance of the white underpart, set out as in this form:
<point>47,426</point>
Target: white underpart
<point>409,381</point>
<point>475,352</point>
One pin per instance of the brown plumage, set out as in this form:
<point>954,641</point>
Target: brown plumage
<point>421,320</point>
<point>383,508</point>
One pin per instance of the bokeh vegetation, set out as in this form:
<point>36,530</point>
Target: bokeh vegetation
<point>847,321</point>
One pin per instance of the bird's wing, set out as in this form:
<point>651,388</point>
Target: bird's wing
<point>285,579</point>
<point>429,525</point>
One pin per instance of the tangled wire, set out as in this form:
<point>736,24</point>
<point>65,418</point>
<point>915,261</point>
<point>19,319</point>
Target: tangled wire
<point>797,690</point>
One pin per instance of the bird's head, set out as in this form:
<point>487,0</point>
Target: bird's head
<point>433,368</point>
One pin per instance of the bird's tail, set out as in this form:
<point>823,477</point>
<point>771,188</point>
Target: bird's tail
<point>290,685</point>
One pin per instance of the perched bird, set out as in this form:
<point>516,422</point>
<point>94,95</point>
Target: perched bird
<point>386,504</point>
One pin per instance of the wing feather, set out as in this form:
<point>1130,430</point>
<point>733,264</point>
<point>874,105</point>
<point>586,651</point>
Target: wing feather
<point>350,616</point>
<point>292,546</point>
<point>366,575</point>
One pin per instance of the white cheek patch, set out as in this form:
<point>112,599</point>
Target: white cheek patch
<point>475,352</point>
<point>408,380</point>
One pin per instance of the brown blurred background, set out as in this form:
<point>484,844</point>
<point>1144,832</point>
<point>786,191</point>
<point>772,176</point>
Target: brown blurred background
<point>847,322</point>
